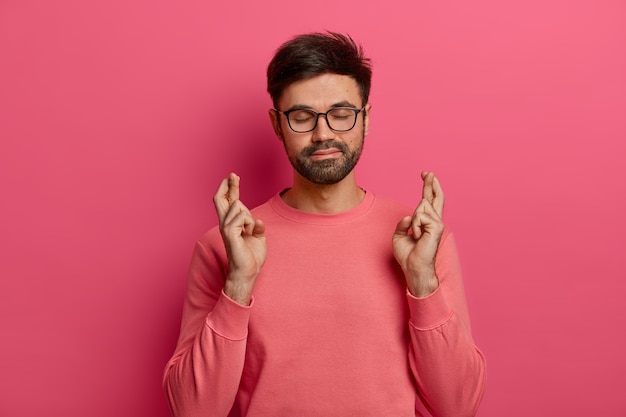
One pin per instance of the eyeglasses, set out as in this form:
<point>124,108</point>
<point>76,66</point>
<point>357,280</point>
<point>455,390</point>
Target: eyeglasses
<point>339,119</point>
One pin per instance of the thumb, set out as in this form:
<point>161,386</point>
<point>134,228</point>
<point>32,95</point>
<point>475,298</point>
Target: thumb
<point>259,228</point>
<point>402,228</point>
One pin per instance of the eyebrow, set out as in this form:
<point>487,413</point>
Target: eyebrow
<point>344,103</point>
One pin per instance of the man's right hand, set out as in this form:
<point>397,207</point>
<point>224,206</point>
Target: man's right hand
<point>244,239</point>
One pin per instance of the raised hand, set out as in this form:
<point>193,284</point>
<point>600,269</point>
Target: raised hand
<point>243,238</point>
<point>417,237</point>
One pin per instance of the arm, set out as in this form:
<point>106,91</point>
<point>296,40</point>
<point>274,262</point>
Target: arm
<point>448,368</point>
<point>203,376</point>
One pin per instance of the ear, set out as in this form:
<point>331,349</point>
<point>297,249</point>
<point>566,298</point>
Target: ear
<point>275,120</point>
<point>366,118</point>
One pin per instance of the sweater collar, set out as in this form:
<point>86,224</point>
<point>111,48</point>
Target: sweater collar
<point>299,216</point>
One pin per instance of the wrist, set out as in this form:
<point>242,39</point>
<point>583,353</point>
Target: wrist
<point>422,284</point>
<point>238,291</point>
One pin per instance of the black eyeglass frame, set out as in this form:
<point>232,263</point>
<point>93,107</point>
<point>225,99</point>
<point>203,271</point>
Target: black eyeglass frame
<point>325,114</point>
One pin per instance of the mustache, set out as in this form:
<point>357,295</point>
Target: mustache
<point>319,146</point>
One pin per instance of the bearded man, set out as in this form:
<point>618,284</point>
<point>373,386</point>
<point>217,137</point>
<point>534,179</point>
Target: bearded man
<point>326,300</point>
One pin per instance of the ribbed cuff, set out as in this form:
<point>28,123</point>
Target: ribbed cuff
<point>229,318</point>
<point>429,312</point>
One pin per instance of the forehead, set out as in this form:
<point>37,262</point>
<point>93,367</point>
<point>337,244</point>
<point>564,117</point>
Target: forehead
<point>321,92</point>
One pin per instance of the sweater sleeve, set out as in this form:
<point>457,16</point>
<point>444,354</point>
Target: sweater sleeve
<point>203,375</point>
<point>447,366</point>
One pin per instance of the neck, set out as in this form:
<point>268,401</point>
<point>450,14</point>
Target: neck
<point>326,199</point>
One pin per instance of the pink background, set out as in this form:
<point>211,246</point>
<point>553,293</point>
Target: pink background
<point>119,118</point>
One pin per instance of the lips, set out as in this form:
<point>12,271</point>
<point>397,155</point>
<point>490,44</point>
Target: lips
<point>325,150</point>
<point>324,154</point>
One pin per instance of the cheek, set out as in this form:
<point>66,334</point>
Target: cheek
<point>355,140</point>
<point>293,146</point>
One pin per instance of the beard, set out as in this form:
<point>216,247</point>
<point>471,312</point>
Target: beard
<point>326,171</point>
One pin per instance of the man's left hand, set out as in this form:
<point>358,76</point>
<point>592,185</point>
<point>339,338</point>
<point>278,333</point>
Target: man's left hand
<point>416,239</point>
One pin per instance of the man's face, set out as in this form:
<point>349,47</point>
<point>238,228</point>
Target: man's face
<point>322,156</point>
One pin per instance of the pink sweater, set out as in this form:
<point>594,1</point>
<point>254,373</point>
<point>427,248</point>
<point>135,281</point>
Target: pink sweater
<point>331,330</point>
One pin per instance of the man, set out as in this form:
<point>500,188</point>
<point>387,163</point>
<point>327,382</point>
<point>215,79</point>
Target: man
<point>326,300</point>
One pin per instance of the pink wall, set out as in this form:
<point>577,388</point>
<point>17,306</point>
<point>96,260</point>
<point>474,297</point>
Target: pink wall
<point>118,118</point>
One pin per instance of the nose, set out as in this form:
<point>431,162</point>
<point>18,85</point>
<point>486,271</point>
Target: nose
<point>322,131</point>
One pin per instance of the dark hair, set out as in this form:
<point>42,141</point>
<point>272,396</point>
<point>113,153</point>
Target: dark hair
<point>313,54</point>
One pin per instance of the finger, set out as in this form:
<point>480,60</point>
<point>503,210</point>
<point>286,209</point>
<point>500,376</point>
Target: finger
<point>236,207</point>
<point>425,219</point>
<point>439,199</point>
<point>233,187</point>
<point>220,200</point>
<point>403,226</point>
<point>259,228</point>
<point>427,189</point>
<point>425,207</point>
<point>248,224</point>
<point>419,220</point>
<point>237,224</point>
<point>253,227</point>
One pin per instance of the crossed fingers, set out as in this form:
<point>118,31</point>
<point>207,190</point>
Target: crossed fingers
<point>432,193</point>
<point>230,210</point>
<point>226,194</point>
<point>429,212</point>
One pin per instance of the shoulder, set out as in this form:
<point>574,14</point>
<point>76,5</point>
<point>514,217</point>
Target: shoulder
<point>382,205</point>
<point>264,208</point>
<point>389,208</point>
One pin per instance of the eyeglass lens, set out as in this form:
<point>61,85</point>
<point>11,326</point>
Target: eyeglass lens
<point>340,119</point>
